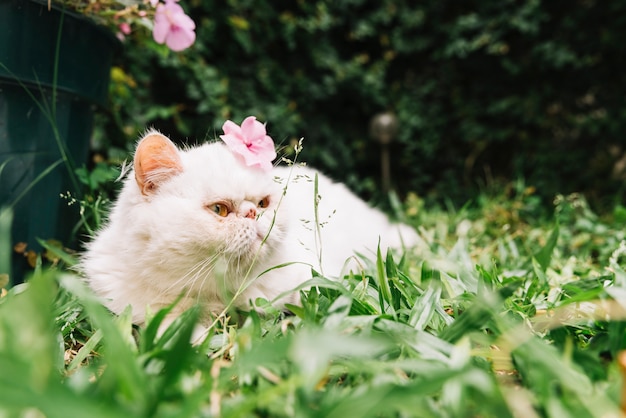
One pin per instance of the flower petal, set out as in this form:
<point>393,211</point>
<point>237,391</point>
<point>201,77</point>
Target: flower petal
<point>230,127</point>
<point>181,20</point>
<point>179,39</point>
<point>161,25</point>
<point>235,144</point>
<point>173,27</point>
<point>253,129</point>
<point>250,142</point>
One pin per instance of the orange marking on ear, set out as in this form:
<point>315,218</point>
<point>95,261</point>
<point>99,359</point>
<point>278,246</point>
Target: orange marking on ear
<point>156,160</point>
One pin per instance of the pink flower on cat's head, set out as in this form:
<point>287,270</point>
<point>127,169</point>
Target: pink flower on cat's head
<point>173,27</point>
<point>250,142</point>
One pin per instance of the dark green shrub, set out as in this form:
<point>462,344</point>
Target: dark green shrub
<point>483,90</point>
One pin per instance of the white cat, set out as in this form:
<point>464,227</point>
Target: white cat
<point>200,223</point>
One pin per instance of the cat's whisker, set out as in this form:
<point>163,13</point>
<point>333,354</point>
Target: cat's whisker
<point>183,280</point>
<point>203,270</point>
<point>227,271</point>
<point>204,273</point>
<point>191,276</point>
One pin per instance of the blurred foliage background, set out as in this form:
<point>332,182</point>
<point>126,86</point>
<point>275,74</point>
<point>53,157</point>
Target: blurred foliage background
<point>485,92</point>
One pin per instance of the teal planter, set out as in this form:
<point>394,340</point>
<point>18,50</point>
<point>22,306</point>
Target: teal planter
<point>28,148</point>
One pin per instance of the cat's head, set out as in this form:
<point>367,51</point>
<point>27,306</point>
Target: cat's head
<point>202,202</point>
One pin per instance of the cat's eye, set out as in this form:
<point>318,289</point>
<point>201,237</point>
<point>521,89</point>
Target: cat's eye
<point>220,209</point>
<point>263,203</point>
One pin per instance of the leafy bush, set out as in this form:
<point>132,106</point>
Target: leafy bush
<point>482,90</point>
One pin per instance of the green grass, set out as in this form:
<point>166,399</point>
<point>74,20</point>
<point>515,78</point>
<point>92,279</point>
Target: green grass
<point>500,311</point>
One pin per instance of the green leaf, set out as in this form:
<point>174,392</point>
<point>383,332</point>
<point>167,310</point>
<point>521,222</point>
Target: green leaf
<point>6,220</point>
<point>123,375</point>
<point>544,255</point>
<point>85,351</point>
<point>385,299</point>
<point>58,252</point>
<point>425,306</point>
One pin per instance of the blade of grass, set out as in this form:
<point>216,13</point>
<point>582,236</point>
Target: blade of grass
<point>544,255</point>
<point>55,250</point>
<point>6,220</point>
<point>85,350</point>
<point>384,291</point>
<point>425,307</point>
<point>123,374</point>
<point>32,184</point>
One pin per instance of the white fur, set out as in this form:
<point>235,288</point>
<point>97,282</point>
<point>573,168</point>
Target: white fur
<point>159,246</point>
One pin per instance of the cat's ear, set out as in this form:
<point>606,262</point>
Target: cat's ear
<point>156,160</point>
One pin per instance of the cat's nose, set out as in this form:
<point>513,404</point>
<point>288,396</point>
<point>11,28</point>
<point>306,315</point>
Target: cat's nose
<point>247,210</point>
<point>251,213</point>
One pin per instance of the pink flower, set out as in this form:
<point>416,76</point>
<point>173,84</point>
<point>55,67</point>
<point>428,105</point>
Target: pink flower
<point>125,28</point>
<point>250,142</point>
<point>173,27</point>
